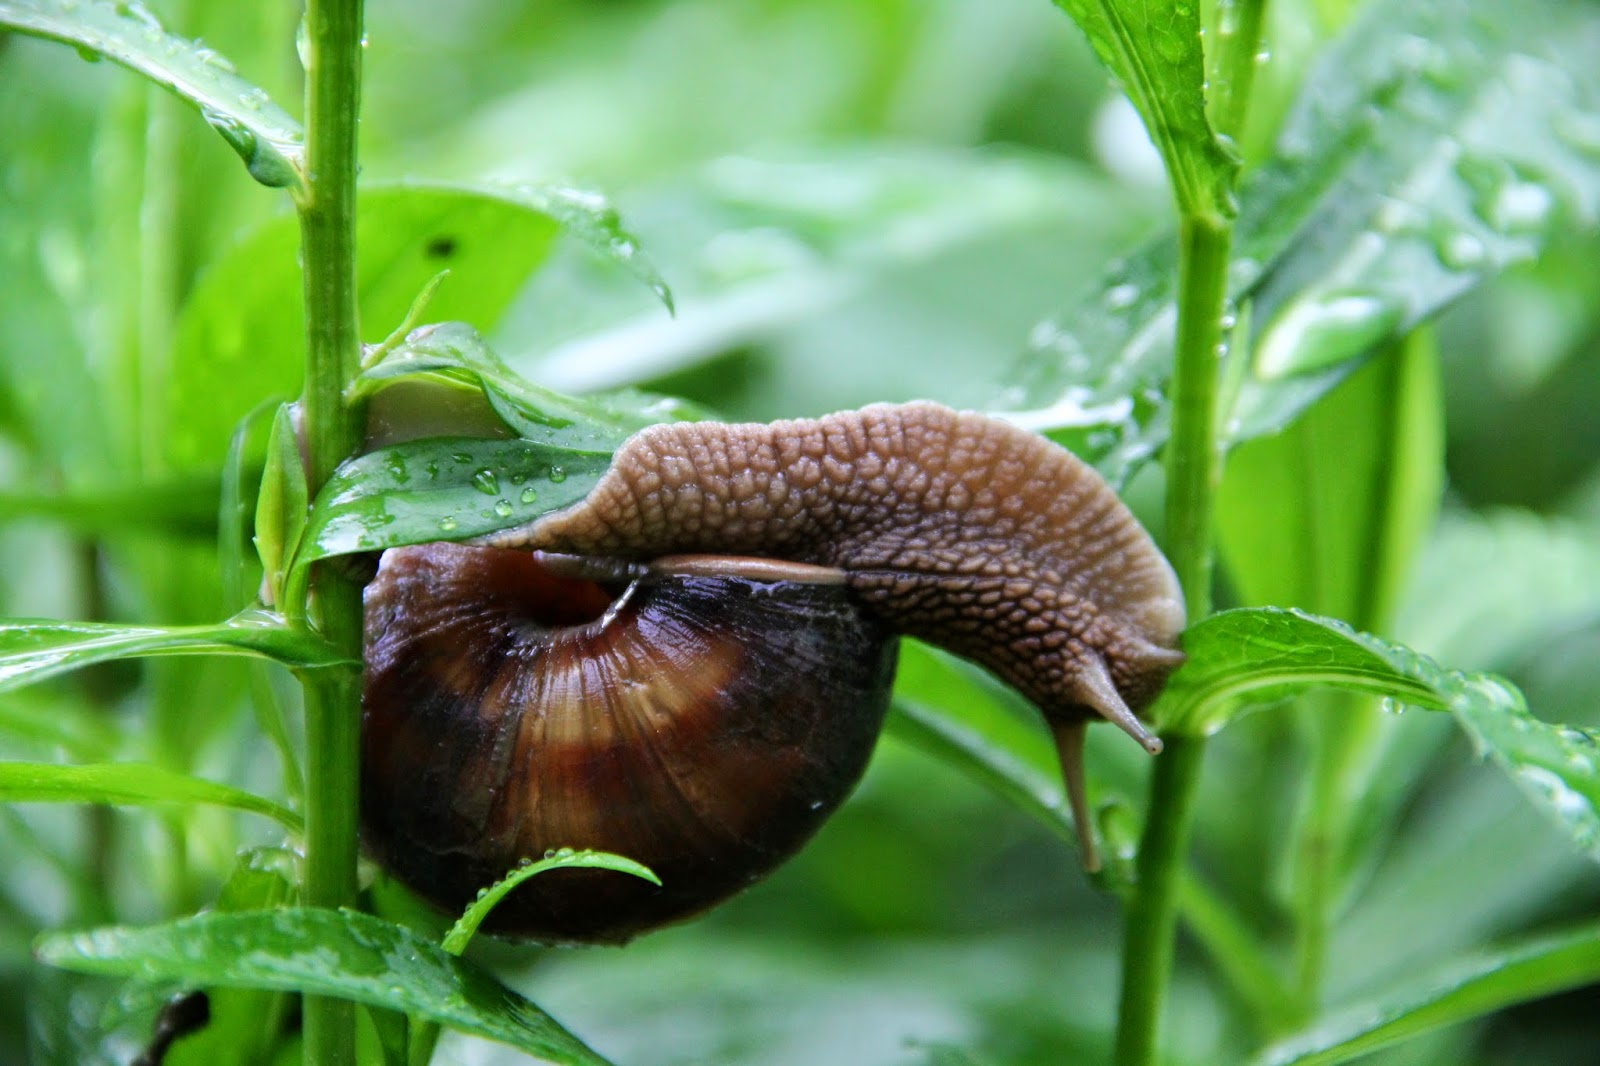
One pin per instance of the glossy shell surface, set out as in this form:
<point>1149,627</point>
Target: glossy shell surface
<point>704,726</point>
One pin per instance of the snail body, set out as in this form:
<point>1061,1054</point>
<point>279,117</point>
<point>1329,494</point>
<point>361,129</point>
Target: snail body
<point>690,666</point>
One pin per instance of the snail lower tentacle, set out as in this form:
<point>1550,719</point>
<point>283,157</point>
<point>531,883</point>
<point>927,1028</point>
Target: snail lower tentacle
<point>690,665</point>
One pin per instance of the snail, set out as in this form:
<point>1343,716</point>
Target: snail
<point>690,666</point>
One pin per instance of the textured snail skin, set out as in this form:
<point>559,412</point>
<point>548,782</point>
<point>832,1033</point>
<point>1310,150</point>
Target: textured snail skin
<point>954,527</point>
<point>704,726</point>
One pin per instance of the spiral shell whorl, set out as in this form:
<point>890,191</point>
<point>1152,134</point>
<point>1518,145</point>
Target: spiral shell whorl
<point>703,726</point>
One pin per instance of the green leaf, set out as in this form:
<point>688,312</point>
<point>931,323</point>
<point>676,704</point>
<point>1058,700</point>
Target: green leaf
<point>236,506</point>
<point>245,1024</point>
<point>241,334</point>
<point>590,217</point>
<point>1472,987</point>
<point>1256,655</point>
<point>462,932</point>
<point>264,135</point>
<point>1288,523</point>
<point>424,1036</point>
<point>445,488</point>
<point>181,506</point>
<point>593,424</point>
<point>80,730</point>
<point>1154,51</point>
<point>1557,766</point>
<point>796,259</point>
<point>31,651</point>
<point>128,784</point>
<point>333,953</point>
<point>1262,654</point>
<point>283,501</point>
<point>1432,145</point>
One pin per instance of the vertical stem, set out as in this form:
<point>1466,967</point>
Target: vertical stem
<point>1193,470</point>
<point>1194,464</point>
<point>1194,467</point>
<point>327,231</point>
<point>1238,38</point>
<point>331,432</point>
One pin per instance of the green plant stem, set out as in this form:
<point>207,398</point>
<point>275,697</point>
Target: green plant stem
<point>1151,921</point>
<point>1194,468</point>
<point>331,431</point>
<point>1238,36</point>
<point>1194,465</point>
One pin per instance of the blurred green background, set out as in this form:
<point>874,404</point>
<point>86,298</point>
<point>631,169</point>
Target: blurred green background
<point>852,200</point>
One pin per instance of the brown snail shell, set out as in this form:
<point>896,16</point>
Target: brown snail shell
<point>953,527</point>
<point>704,726</point>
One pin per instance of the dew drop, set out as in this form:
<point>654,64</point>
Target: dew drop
<point>1520,207</point>
<point>529,495</point>
<point>503,508</point>
<point>557,475</point>
<point>1460,250</point>
<point>486,482</point>
<point>212,58</point>
<point>1120,296</point>
<point>447,523</point>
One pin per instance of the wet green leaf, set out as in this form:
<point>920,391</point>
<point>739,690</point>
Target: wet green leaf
<point>334,953</point>
<point>1432,145</point>
<point>462,932</point>
<point>264,135</point>
<point>595,424</point>
<point>1259,655</point>
<point>1557,766</point>
<point>590,217</point>
<point>423,1037</point>
<point>1154,51</point>
<point>31,651</point>
<point>443,488</point>
<point>128,784</point>
<point>1472,987</point>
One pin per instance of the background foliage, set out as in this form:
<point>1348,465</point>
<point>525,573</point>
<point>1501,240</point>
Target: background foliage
<point>858,201</point>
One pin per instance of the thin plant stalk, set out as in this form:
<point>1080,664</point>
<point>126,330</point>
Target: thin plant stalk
<point>1193,472</point>
<point>331,431</point>
<point>1194,469</point>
